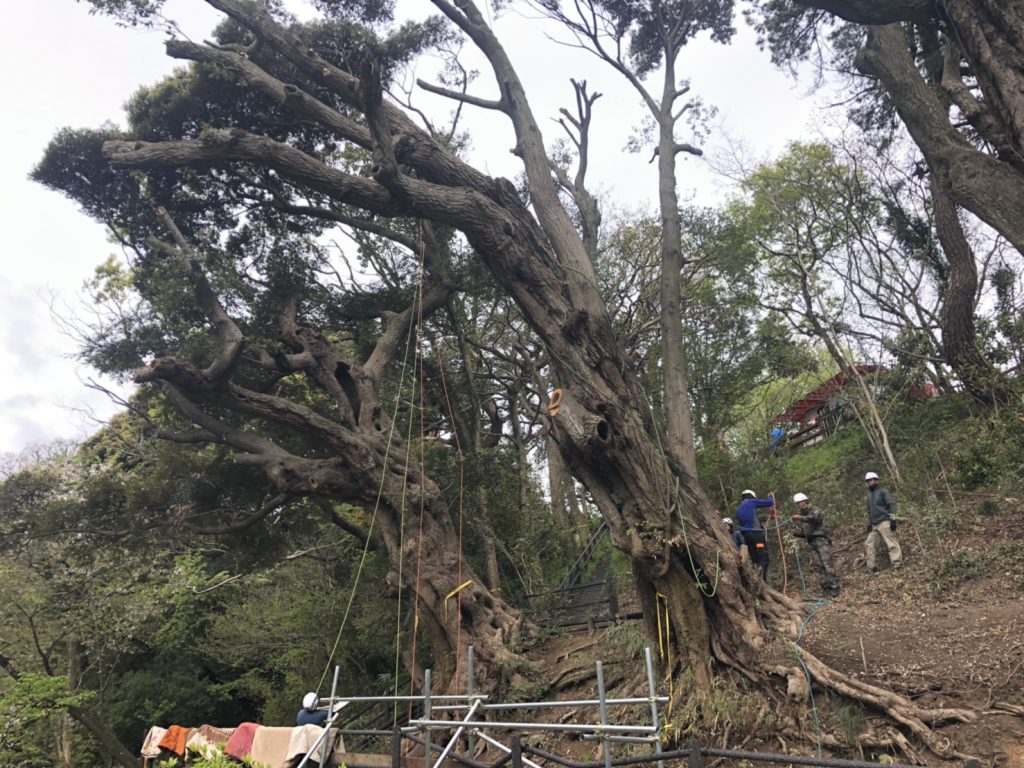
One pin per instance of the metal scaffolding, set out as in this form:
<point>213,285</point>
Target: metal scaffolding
<point>452,717</point>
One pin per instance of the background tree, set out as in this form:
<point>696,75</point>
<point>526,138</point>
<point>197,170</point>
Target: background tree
<point>639,40</point>
<point>938,71</point>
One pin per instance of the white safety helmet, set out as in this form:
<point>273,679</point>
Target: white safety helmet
<point>749,493</point>
<point>870,476</point>
<point>728,521</point>
<point>799,497</point>
<point>310,700</point>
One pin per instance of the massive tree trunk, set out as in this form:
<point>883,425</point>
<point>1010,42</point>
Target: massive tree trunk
<point>656,512</point>
<point>106,740</point>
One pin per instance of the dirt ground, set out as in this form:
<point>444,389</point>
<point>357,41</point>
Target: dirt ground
<point>961,647</point>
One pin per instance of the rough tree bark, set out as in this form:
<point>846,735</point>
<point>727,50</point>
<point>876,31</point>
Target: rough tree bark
<point>989,36</point>
<point>957,176</point>
<point>959,337</point>
<point>657,514</point>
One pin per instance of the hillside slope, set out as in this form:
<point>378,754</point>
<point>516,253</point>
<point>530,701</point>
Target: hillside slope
<point>947,629</point>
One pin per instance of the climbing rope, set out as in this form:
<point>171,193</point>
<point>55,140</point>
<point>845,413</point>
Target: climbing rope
<point>373,517</point>
<point>665,642</point>
<point>674,504</point>
<point>419,543</point>
<point>457,593</point>
<point>401,565</point>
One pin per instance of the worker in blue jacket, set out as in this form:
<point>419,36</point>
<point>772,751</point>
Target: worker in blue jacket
<point>753,532</point>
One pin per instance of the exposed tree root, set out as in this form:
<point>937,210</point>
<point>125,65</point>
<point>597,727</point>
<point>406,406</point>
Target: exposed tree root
<point>787,616</point>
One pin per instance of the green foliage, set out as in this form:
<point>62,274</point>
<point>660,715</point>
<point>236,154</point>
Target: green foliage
<point>839,455</point>
<point>210,758</point>
<point>647,32</point>
<point>996,452</point>
<point>958,567</point>
<point>29,706</point>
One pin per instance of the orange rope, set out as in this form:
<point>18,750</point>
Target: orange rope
<point>462,467</point>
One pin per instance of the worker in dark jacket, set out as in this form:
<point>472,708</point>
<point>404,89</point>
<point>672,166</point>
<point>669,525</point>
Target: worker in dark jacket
<point>752,530</point>
<point>311,714</point>
<point>811,528</point>
<point>881,524</point>
<point>736,536</point>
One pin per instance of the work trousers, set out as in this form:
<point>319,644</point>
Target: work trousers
<point>882,532</point>
<point>821,554</point>
<point>757,546</point>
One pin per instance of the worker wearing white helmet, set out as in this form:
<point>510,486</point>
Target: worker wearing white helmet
<point>811,527</point>
<point>310,714</point>
<point>881,525</point>
<point>737,537</point>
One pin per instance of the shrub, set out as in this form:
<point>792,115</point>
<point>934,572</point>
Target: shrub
<point>962,565</point>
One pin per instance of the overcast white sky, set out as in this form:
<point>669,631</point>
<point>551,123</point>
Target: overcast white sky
<point>64,67</point>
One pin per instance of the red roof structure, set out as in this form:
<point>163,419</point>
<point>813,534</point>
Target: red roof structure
<point>814,399</point>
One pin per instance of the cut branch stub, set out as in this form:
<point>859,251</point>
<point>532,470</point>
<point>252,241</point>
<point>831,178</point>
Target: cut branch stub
<point>583,428</point>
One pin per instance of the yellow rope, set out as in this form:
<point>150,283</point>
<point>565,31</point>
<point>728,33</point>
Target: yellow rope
<point>665,641</point>
<point>452,594</point>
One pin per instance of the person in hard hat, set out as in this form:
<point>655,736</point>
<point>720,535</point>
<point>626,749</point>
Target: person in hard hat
<point>881,525</point>
<point>811,528</point>
<point>736,536</point>
<point>752,530</point>
<point>311,714</point>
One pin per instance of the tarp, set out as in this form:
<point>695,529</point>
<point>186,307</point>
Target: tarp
<point>175,739</point>
<point>270,746</point>
<point>303,739</point>
<point>240,744</point>
<point>206,739</point>
<point>151,744</point>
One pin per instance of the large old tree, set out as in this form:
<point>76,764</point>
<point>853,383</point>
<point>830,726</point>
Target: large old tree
<point>604,431</point>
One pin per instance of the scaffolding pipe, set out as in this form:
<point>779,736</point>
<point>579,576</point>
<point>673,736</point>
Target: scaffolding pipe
<point>317,744</point>
<point>471,690</point>
<point>462,758</point>
<point>455,737</point>
<point>331,714</point>
<point>604,715</point>
<point>571,727</point>
<point>426,714</point>
<point>654,704</point>
<point>436,696</point>
<point>637,700</point>
<point>506,750</point>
